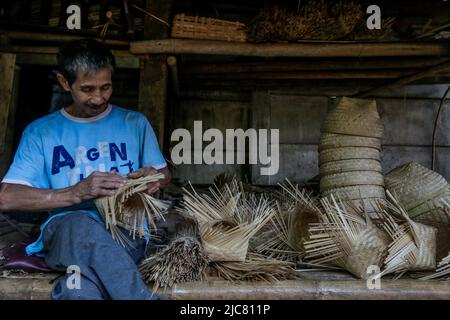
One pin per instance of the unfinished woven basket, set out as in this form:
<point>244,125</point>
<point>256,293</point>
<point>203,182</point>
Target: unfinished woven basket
<point>346,237</point>
<point>334,140</point>
<point>349,166</point>
<point>358,117</point>
<point>418,189</point>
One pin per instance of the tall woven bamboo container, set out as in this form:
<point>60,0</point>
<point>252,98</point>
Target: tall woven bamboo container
<point>349,153</point>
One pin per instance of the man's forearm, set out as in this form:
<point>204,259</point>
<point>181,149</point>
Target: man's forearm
<point>24,198</point>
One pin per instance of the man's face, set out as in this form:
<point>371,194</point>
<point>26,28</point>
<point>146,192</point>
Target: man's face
<point>91,93</point>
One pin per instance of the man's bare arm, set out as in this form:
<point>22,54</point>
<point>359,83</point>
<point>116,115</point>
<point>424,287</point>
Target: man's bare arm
<point>24,198</point>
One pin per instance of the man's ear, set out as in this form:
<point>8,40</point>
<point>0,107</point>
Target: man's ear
<point>63,82</point>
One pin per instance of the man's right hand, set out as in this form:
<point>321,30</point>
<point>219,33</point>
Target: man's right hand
<point>98,184</point>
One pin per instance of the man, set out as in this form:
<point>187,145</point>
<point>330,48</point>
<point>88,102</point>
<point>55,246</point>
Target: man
<point>72,156</point>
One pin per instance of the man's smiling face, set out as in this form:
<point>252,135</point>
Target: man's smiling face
<point>90,92</point>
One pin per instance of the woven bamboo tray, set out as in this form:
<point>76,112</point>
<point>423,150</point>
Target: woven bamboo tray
<point>350,165</point>
<point>358,117</point>
<point>354,178</point>
<point>193,27</point>
<point>334,140</point>
<point>347,153</point>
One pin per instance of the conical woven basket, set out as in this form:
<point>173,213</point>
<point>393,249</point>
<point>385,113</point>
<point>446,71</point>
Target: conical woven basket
<point>418,189</point>
<point>358,117</point>
<point>354,178</point>
<point>349,166</point>
<point>348,153</point>
<point>334,140</point>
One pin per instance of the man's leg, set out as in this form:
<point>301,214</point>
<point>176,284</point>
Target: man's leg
<point>77,239</point>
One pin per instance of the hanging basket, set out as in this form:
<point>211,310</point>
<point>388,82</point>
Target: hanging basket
<point>334,140</point>
<point>358,117</point>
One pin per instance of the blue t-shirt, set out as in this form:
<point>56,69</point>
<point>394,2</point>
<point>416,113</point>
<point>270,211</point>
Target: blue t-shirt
<point>58,150</point>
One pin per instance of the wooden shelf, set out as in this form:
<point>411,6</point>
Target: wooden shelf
<point>318,49</point>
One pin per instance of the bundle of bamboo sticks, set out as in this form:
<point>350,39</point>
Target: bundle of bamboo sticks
<point>183,260</point>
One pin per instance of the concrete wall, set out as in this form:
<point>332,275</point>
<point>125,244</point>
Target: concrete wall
<point>407,114</point>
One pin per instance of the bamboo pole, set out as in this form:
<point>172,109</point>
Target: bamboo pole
<point>442,67</point>
<point>303,49</point>
<point>49,37</point>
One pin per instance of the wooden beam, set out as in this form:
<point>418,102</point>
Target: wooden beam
<point>49,59</point>
<point>7,150</point>
<point>7,65</point>
<point>302,49</point>
<point>39,286</point>
<point>153,93</point>
<point>308,65</point>
<point>154,74</point>
<point>432,71</point>
<point>173,68</point>
<point>51,37</point>
<point>334,74</point>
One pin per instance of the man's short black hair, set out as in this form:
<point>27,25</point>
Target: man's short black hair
<point>86,55</point>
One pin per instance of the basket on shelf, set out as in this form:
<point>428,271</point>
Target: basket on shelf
<point>193,27</point>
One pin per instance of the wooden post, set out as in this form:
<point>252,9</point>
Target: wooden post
<point>7,107</point>
<point>154,74</point>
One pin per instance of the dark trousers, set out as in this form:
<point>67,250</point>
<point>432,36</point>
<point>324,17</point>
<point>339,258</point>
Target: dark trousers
<point>107,269</point>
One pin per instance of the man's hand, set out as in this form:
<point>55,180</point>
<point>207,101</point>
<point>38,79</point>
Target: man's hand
<point>98,184</point>
<point>152,187</point>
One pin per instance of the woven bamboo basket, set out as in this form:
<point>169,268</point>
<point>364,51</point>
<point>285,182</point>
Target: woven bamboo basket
<point>349,166</point>
<point>334,140</point>
<point>418,189</point>
<point>413,246</point>
<point>357,192</point>
<point>354,178</point>
<point>440,221</point>
<point>348,153</point>
<point>193,27</point>
<point>358,117</point>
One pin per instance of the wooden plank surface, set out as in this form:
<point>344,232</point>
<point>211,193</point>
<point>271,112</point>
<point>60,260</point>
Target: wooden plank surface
<point>301,49</point>
<point>317,287</point>
<point>7,64</point>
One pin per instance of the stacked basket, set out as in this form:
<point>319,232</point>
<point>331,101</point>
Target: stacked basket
<point>349,153</point>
